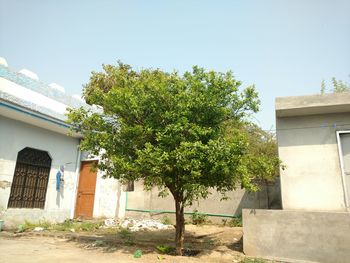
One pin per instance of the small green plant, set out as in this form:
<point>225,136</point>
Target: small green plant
<point>138,254</point>
<point>164,249</point>
<point>45,224</point>
<point>224,222</point>
<point>198,218</point>
<point>67,225</point>
<point>99,243</point>
<point>253,260</point>
<point>166,220</point>
<point>89,226</point>
<point>235,222</point>
<point>42,223</point>
<point>29,225</point>
<point>126,235</point>
<point>70,224</point>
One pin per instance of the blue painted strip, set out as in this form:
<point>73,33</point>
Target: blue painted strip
<point>34,115</point>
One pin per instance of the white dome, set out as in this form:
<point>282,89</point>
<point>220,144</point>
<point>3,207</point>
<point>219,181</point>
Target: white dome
<point>3,62</point>
<point>57,87</point>
<point>29,74</point>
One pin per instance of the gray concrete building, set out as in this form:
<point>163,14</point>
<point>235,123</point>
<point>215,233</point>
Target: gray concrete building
<point>313,134</point>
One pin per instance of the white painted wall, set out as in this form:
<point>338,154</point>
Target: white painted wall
<point>16,135</point>
<point>308,147</point>
<point>109,195</point>
<point>108,198</point>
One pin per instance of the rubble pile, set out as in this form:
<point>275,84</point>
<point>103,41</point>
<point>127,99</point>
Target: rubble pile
<point>143,224</point>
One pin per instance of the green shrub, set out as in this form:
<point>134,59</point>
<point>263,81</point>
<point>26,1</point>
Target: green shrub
<point>164,249</point>
<point>166,220</point>
<point>198,218</point>
<point>67,225</point>
<point>89,226</point>
<point>29,225</point>
<point>42,223</point>
<point>126,235</point>
<point>235,222</point>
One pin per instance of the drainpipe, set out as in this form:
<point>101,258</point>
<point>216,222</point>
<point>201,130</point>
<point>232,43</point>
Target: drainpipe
<point>75,185</point>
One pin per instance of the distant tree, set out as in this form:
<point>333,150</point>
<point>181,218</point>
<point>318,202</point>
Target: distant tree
<point>186,134</point>
<point>323,87</point>
<point>338,86</point>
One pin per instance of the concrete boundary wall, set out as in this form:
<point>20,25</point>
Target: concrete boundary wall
<point>297,235</point>
<point>141,203</point>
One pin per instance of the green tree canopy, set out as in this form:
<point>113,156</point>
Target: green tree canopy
<point>180,133</point>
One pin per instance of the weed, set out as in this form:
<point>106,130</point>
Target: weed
<point>89,226</point>
<point>235,222</point>
<point>126,235</point>
<point>198,218</point>
<point>45,224</point>
<point>164,249</point>
<point>67,225</point>
<point>224,222</point>
<point>166,220</point>
<point>99,243</point>
<point>30,225</point>
<point>253,260</point>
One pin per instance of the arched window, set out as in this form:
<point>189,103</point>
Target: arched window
<point>29,185</point>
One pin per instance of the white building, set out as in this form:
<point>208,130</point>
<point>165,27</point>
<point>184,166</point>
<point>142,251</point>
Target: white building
<point>34,144</point>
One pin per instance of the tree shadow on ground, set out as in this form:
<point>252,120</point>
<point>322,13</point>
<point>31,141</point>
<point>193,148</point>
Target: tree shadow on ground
<point>198,241</point>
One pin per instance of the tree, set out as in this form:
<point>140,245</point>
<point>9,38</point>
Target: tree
<point>180,133</point>
<point>338,86</point>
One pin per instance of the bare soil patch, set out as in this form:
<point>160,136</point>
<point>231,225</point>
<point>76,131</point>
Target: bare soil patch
<point>207,243</point>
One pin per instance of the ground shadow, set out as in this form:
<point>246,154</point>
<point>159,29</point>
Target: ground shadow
<point>198,240</point>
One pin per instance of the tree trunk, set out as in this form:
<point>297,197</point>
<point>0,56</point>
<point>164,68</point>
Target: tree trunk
<point>180,227</point>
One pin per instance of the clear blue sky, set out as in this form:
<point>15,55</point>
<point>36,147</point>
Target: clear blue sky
<point>283,47</point>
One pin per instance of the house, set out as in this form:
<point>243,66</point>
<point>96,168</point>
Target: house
<point>43,174</point>
<point>313,134</point>
<point>36,153</point>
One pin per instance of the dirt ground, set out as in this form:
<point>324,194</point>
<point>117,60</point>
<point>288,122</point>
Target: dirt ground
<point>212,243</point>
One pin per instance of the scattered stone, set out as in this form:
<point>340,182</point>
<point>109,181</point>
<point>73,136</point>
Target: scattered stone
<point>110,222</point>
<point>38,229</point>
<point>126,223</point>
<point>72,230</point>
<point>135,225</point>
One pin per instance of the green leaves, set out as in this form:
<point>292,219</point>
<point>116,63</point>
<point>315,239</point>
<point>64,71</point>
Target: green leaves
<point>184,133</point>
<point>338,86</point>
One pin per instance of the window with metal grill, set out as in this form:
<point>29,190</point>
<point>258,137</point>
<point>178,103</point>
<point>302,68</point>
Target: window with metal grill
<point>29,185</point>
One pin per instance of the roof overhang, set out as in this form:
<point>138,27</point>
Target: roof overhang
<point>16,112</point>
<point>312,104</point>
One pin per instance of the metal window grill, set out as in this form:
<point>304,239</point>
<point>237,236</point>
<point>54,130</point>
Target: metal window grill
<point>29,185</point>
